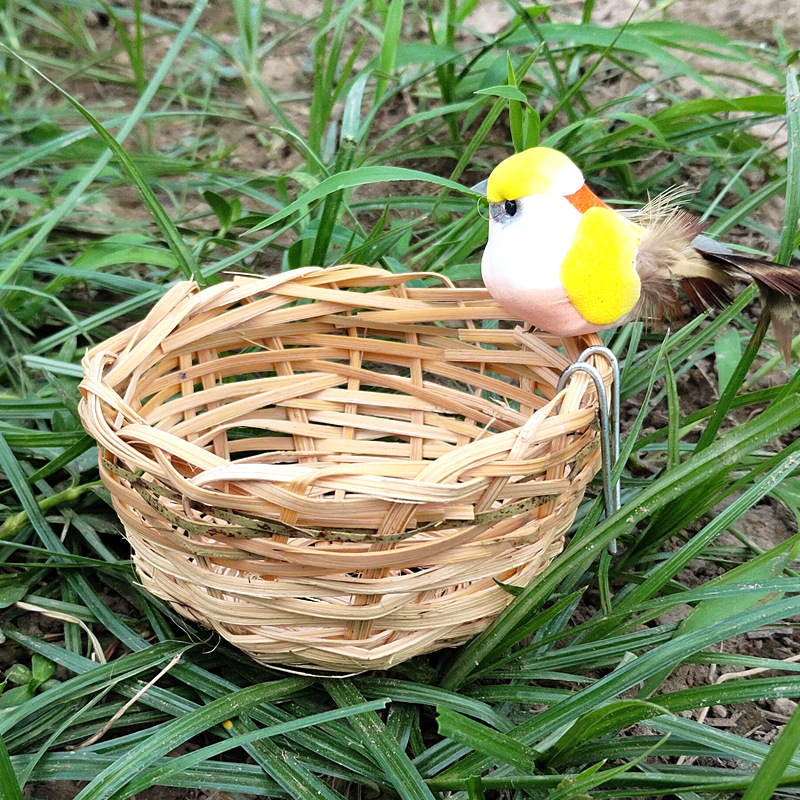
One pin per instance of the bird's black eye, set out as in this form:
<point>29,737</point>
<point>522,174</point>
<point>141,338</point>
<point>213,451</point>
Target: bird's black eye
<point>510,207</point>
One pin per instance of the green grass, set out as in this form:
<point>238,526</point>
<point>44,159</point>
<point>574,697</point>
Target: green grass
<point>138,150</point>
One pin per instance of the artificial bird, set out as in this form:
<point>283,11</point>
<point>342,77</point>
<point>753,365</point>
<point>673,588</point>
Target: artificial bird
<point>562,260</point>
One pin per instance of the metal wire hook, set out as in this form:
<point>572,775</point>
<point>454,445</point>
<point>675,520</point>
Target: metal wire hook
<point>613,362</point>
<point>609,444</point>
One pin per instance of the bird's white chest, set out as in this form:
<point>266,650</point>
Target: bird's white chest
<point>525,252</point>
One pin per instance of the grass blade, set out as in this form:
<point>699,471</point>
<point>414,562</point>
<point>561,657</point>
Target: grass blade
<point>399,770</point>
<point>9,786</point>
<point>792,211</point>
<point>777,762</point>
<point>485,740</point>
<point>781,416</point>
<point>115,149</point>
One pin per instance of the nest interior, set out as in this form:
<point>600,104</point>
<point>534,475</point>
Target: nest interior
<point>339,468</point>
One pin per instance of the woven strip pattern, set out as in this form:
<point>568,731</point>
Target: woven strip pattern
<point>334,468</point>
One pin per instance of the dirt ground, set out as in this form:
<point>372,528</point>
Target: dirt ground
<point>748,20</point>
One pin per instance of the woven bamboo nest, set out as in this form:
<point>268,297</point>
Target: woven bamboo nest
<point>339,468</point>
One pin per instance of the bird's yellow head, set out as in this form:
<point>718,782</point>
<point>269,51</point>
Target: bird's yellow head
<point>539,170</point>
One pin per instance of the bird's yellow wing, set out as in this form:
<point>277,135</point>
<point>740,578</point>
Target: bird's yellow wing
<point>599,270</point>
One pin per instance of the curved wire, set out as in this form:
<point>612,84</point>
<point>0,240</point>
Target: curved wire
<point>609,445</point>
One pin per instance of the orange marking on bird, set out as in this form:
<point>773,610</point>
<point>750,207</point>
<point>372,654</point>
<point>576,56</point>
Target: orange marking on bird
<point>585,199</point>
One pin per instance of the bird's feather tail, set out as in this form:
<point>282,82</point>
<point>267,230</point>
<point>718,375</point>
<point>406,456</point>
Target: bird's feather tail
<point>778,285</point>
<point>667,261</point>
<point>673,253</point>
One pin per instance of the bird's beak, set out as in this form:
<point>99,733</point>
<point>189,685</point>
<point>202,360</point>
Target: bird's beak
<point>480,188</point>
